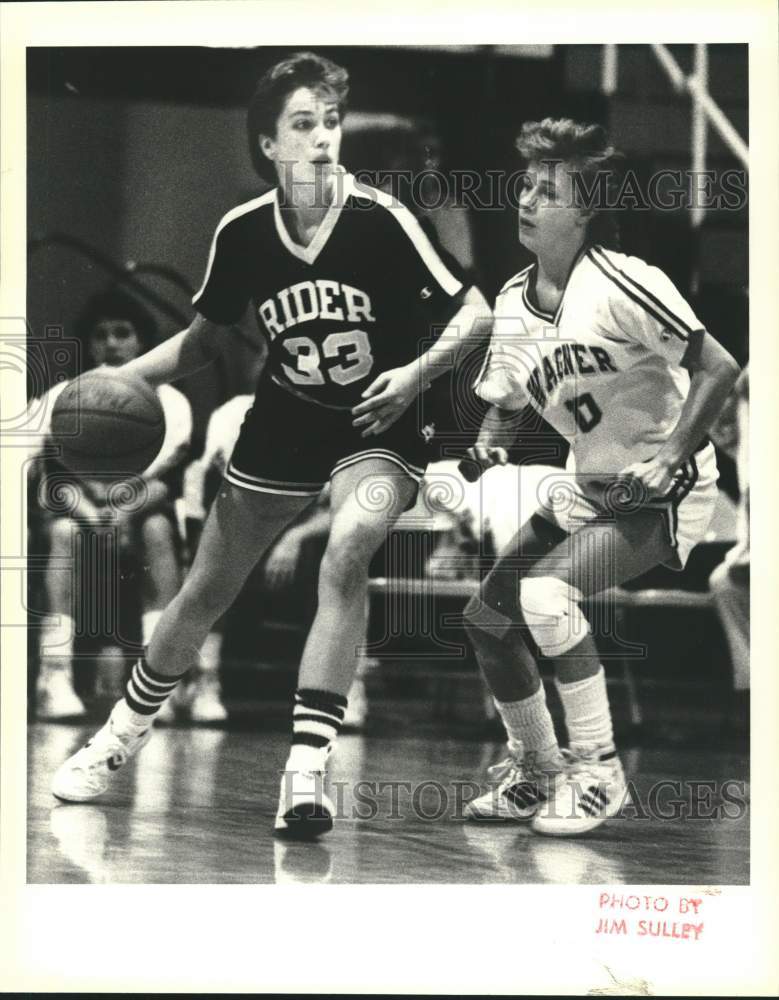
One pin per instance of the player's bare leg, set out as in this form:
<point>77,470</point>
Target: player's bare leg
<point>533,594</point>
<point>240,527</point>
<point>160,583</point>
<point>494,622</point>
<point>366,500</point>
<point>507,657</point>
<point>599,556</point>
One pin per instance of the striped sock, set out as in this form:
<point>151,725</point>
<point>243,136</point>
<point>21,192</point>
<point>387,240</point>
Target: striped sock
<point>147,691</point>
<point>316,722</point>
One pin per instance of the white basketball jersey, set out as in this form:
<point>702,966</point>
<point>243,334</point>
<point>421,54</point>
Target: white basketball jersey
<point>605,369</point>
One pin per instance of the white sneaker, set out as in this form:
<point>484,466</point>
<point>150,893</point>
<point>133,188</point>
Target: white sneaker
<point>88,772</point>
<point>594,789</point>
<point>206,703</point>
<point>55,697</point>
<point>519,789</point>
<point>305,812</point>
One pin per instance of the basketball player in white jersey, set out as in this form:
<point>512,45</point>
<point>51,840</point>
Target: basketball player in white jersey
<point>346,289</point>
<point>607,350</point>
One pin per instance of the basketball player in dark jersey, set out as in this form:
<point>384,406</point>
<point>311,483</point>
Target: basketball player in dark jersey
<point>347,290</point>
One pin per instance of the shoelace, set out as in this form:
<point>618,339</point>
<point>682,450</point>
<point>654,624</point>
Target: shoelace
<point>583,767</point>
<point>501,769</point>
<point>507,772</point>
<point>91,771</point>
<point>108,746</point>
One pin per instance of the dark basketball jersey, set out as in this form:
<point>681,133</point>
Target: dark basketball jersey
<point>368,294</point>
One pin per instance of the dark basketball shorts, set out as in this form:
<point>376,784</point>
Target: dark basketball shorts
<point>292,447</point>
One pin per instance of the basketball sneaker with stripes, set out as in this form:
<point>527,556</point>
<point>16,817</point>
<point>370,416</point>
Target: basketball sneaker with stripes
<point>593,790</point>
<point>520,787</point>
<point>305,811</point>
<point>88,772</point>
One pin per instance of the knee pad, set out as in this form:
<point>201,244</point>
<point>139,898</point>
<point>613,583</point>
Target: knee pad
<point>552,614</point>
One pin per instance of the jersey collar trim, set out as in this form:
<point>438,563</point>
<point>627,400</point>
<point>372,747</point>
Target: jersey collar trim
<point>309,254</point>
<point>529,288</point>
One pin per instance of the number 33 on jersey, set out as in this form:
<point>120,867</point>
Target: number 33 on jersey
<point>606,369</point>
<point>311,364</point>
<point>357,301</point>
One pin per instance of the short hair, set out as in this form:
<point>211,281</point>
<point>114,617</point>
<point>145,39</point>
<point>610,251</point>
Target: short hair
<point>301,69</point>
<point>587,148</point>
<point>116,303</point>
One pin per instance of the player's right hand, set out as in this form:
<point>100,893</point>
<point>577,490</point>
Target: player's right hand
<point>486,456</point>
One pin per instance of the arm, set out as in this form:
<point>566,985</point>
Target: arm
<point>157,471</point>
<point>498,432</point>
<point>471,323</point>
<point>390,395</point>
<point>713,373</point>
<point>183,354</point>
<point>178,433</point>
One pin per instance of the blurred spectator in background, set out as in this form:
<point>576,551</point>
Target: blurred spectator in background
<point>405,158</point>
<point>437,204</point>
<point>114,328</point>
<point>729,582</point>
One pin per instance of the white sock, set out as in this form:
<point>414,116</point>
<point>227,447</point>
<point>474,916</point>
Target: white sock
<point>211,653</point>
<point>587,713</point>
<point>149,621</point>
<point>56,643</point>
<point>303,758</point>
<point>124,718</point>
<point>530,728</point>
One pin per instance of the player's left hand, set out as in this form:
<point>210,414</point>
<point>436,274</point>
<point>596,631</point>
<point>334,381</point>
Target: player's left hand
<point>653,479</point>
<point>386,399</point>
<point>282,562</point>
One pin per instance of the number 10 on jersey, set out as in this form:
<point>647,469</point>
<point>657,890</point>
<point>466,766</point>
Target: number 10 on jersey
<point>353,347</point>
<point>585,410</point>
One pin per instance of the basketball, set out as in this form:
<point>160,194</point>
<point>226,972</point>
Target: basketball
<point>108,422</point>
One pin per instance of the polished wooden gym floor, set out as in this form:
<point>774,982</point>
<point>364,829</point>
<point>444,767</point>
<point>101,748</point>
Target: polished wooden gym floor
<point>197,806</point>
